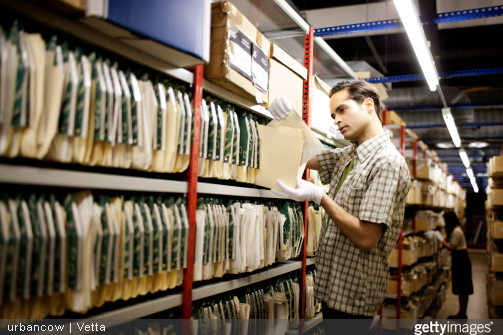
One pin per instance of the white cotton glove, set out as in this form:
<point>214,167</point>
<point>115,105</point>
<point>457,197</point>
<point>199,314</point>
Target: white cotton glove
<point>305,191</point>
<point>280,107</point>
<point>430,234</point>
<point>439,236</point>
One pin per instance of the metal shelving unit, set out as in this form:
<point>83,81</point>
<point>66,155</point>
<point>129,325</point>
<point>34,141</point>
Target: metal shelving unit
<point>71,178</point>
<point>277,269</point>
<point>146,308</point>
<point>32,175</point>
<point>308,324</point>
<point>209,188</point>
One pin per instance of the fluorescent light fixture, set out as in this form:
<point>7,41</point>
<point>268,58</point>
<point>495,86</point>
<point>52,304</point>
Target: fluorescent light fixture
<point>445,145</point>
<point>469,173</point>
<point>410,20</point>
<point>464,157</point>
<point>451,126</point>
<point>478,145</point>
<point>293,14</point>
<point>474,185</point>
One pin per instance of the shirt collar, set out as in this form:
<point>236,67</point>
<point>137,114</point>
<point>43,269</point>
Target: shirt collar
<point>364,149</point>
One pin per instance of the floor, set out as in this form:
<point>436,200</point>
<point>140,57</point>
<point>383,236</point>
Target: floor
<point>477,304</point>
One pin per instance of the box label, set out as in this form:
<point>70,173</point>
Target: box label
<point>260,69</point>
<point>240,54</point>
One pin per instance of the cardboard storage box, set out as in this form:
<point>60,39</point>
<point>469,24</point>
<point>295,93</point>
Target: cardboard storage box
<point>495,197</point>
<point>177,32</point>
<point>286,78</point>
<point>423,169</point>
<point>409,257</point>
<point>424,220</point>
<point>393,118</point>
<point>497,229</point>
<point>496,167</point>
<point>497,262</point>
<point>66,6</point>
<point>497,296</point>
<point>495,290</point>
<point>406,287</point>
<point>239,54</point>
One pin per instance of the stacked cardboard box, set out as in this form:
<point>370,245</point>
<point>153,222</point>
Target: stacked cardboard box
<point>494,290</point>
<point>494,206</point>
<point>239,54</point>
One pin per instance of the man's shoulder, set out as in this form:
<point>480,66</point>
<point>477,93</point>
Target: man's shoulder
<point>387,153</point>
<point>340,152</point>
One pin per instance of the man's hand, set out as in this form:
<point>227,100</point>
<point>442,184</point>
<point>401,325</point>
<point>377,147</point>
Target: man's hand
<point>280,107</point>
<point>305,191</point>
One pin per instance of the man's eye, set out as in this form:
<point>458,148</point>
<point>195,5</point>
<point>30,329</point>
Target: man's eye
<point>333,116</point>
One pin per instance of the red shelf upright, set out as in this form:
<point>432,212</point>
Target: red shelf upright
<point>191,178</point>
<point>400,248</point>
<point>306,116</point>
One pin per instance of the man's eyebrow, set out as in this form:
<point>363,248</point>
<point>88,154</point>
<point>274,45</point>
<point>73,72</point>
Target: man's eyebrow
<point>340,106</point>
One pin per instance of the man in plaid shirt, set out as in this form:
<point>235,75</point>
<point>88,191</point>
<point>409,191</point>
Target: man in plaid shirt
<point>369,181</point>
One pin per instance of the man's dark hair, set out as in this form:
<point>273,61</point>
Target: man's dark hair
<point>359,90</point>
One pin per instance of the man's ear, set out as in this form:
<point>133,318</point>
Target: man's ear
<point>369,105</point>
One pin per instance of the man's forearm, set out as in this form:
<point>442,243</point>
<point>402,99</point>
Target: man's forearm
<point>312,164</point>
<point>364,235</point>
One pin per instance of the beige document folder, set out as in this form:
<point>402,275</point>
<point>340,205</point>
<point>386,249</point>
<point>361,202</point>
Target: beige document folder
<point>29,135</point>
<point>173,112</point>
<point>280,152</point>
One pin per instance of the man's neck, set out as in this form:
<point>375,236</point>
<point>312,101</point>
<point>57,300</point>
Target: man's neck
<point>372,131</point>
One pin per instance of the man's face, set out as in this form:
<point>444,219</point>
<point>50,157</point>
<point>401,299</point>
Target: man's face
<point>350,116</point>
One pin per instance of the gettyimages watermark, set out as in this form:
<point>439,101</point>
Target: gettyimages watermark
<point>435,327</point>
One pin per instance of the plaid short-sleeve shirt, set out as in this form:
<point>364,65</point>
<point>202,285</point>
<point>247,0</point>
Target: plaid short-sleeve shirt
<point>348,279</point>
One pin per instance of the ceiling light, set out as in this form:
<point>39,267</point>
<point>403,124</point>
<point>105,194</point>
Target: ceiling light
<point>451,126</point>
<point>469,173</point>
<point>474,185</point>
<point>464,157</point>
<point>445,145</point>
<point>410,20</point>
<point>478,145</point>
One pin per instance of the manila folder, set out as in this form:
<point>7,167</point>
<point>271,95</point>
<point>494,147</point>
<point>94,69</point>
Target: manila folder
<point>280,153</point>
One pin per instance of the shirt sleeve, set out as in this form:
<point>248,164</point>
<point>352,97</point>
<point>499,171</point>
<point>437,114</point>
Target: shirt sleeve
<point>327,161</point>
<point>381,197</point>
<point>456,239</point>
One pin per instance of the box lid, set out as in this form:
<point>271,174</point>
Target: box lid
<point>284,58</point>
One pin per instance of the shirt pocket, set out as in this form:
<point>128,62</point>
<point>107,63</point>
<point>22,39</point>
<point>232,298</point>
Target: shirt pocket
<point>353,199</point>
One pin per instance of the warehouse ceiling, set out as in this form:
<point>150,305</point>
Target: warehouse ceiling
<point>457,46</point>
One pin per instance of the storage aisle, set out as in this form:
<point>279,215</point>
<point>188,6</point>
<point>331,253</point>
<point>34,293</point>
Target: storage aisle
<point>477,304</point>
